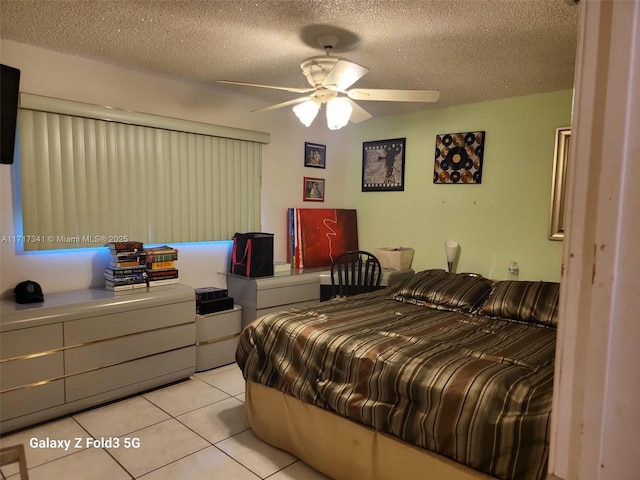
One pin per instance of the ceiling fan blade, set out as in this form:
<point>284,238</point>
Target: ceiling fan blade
<point>287,89</point>
<point>384,95</point>
<point>283,104</point>
<point>343,75</point>
<point>358,114</point>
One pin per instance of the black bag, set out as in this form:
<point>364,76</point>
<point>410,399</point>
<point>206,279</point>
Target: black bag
<point>252,254</point>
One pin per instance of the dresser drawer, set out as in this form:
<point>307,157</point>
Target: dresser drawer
<point>111,352</point>
<point>110,378</point>
<point>218,325</point>
<point>27,400</point>
<point>273,297</point>
<point>212,355</point>
<point>16,373</point>
<point>78,332</point>
<point>30,355</point>
<point>28,341</point>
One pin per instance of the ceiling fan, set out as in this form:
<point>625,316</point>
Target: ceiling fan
<point>330,78</point>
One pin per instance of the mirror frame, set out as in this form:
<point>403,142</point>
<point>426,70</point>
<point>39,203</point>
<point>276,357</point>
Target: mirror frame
<point>558,188</point>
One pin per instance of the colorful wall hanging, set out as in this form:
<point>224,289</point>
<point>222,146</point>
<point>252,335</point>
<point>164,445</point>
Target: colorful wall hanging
<point>459,158</point>
<point>317,235</point>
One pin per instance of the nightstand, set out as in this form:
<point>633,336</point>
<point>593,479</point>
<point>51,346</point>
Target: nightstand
<point>262,295</point>
<point>217,336</point>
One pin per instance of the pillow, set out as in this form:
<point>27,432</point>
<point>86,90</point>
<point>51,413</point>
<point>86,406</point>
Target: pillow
<point>444,291</point>
<point>534,302</point>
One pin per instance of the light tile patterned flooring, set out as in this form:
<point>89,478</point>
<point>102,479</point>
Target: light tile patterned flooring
<point>191,430</point>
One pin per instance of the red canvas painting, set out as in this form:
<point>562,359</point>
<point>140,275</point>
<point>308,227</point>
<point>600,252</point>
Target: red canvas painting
<point>318,235</point>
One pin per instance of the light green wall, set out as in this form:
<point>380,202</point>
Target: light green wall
<point>503,219</point>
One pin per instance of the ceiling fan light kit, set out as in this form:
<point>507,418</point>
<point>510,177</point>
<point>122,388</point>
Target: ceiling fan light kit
<point>338,113</point>
<point>330,77</point>
<point>307,111</point>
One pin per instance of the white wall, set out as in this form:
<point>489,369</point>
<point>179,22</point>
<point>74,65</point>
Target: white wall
<point>52,74</point>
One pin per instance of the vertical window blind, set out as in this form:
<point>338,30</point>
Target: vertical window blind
<point>88,181</point>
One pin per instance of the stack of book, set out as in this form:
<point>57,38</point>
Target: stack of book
<point>127,268</point>
<point>161,265</point>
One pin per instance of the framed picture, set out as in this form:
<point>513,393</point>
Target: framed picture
<point>313,189</point>
<point>558,187</point>
<point>459,158</point>
<point>315,155</point>
<point>383,165</point>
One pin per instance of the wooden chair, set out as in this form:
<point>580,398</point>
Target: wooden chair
<point>13,454</point>
<point>354,272</point>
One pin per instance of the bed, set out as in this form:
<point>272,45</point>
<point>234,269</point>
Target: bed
<point>442,376</point>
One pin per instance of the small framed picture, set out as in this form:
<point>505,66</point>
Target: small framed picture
<point>313,189</point>
<point>315,155</point>
<point>383,165</point>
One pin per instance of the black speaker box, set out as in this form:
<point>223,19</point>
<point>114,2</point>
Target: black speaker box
<point>210,293</point>
<point>205,307</point>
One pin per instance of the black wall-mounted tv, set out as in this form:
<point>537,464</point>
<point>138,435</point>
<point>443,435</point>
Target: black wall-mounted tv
<point>9,86</point>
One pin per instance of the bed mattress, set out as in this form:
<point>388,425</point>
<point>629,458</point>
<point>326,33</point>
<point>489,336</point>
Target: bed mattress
<point>472,388</point>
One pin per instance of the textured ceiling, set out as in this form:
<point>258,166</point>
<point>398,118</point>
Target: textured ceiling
<point>470,50</point>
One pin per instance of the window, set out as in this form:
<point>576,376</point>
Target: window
<point>90,175</point>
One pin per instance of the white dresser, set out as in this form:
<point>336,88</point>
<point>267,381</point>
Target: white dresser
<point>83,348</point>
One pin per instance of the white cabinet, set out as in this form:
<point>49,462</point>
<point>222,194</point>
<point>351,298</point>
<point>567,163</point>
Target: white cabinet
<point>217,336</point>
<point>259,296</point>
<point>82,348</point>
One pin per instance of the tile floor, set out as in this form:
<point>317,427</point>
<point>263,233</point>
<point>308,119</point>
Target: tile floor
<point>192,430</point>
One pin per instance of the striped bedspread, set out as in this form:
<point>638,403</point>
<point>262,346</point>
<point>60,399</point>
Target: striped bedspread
<point>474,389</point>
